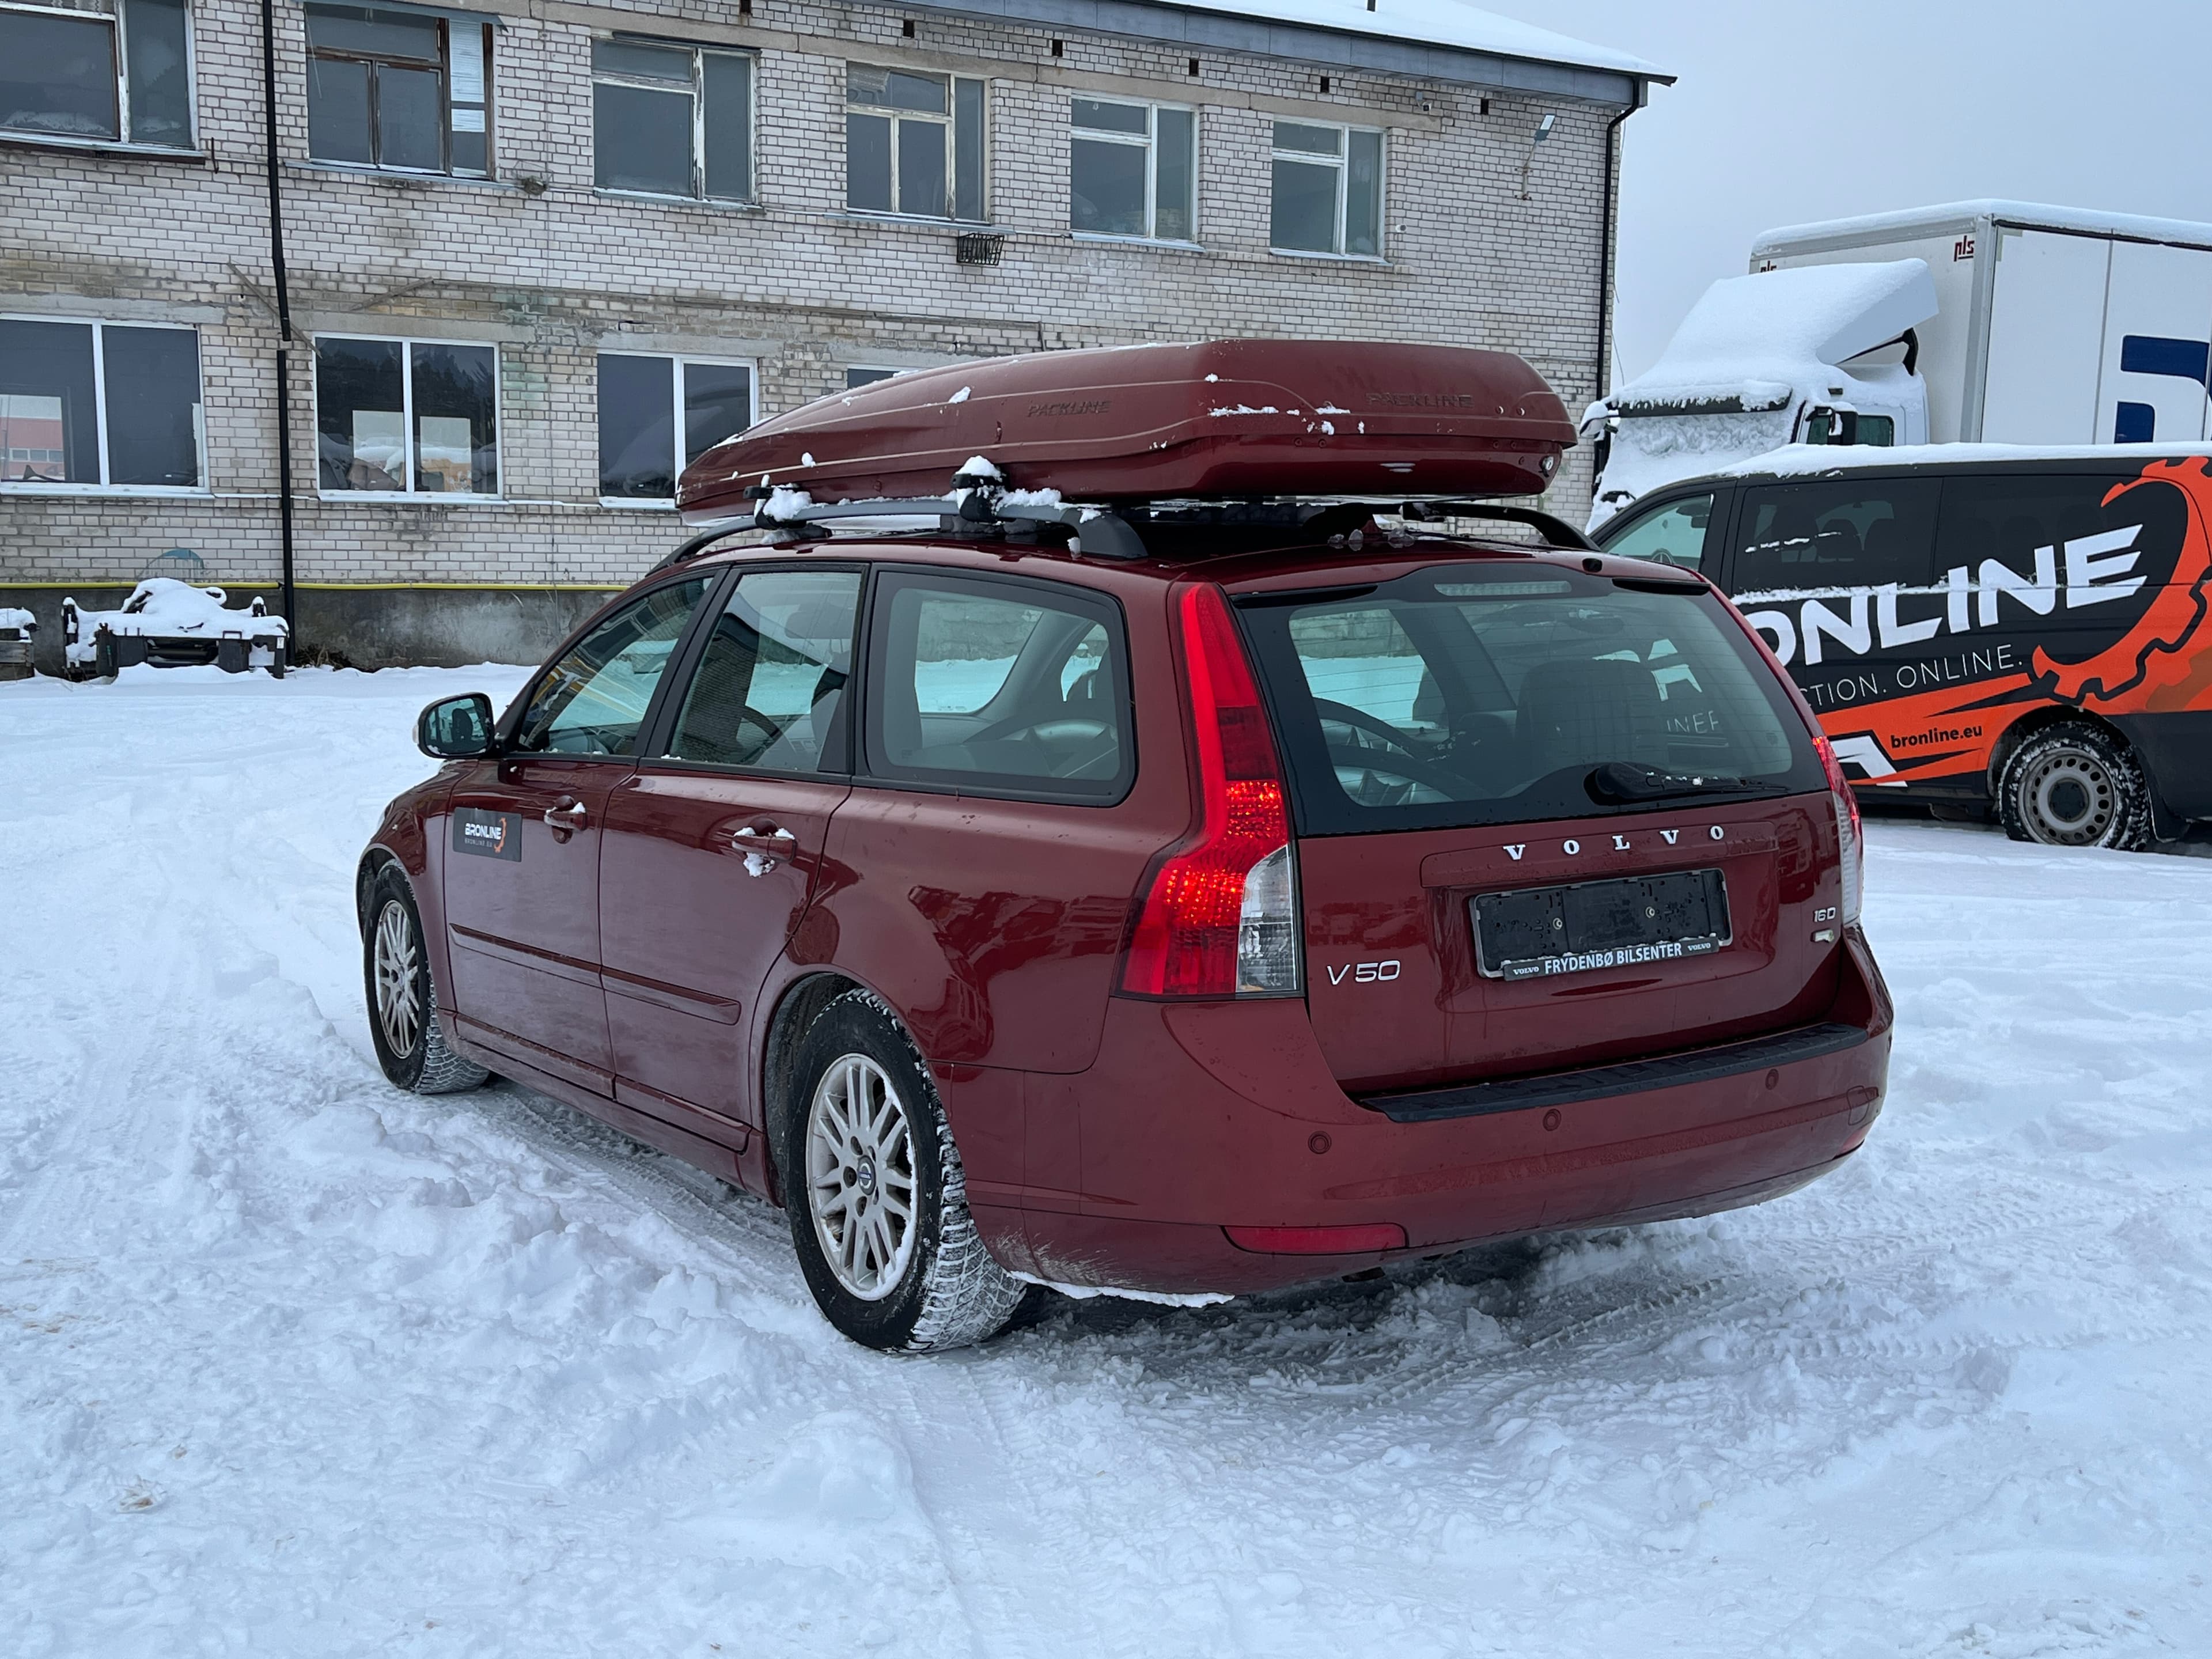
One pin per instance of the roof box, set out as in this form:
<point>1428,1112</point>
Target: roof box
<point>1217,418</point>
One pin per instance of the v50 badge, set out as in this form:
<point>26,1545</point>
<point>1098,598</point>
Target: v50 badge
<point>488,834</point>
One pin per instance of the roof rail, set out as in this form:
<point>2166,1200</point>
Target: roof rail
<point>1558,532</point>
<point>977,501</point>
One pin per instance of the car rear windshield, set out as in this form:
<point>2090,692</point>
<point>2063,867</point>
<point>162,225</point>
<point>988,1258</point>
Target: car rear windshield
<point>1492,693</point>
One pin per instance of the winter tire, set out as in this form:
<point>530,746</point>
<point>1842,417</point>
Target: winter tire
<point>2074,786</point>
<point>403,998</point>
<point>875,1191</point>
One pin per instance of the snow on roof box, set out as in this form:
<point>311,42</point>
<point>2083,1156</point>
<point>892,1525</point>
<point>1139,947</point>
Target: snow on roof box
<point>1219,417</point>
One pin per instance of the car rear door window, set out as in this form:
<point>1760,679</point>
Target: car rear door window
<point>1480,694</point>
<point>1674,534</point>
<point>769,690</point>
<point>593,699</point>
<point>1835,534</point>
<point>997,686</point>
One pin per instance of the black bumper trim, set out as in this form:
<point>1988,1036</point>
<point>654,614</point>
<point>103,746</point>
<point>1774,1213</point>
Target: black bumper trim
<point>1521,1094</point>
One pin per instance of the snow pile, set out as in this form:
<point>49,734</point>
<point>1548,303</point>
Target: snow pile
<point>291,1363</point>
<point>22,621</point>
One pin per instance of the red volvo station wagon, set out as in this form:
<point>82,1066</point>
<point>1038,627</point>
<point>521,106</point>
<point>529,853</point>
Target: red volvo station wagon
<point>1192,871</point>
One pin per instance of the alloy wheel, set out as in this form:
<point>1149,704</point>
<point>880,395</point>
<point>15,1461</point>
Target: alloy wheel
<point>398,1002</point>
<point>860,1177</point>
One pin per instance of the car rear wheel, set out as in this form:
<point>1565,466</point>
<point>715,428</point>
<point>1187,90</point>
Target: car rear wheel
<point>404,1018</point>
<point>876,1194</point>
<point>2074,786</point>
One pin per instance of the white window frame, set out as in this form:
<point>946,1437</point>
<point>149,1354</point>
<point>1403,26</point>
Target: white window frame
<point>100,326</point>
<point>1149,140</point>
<point>678,380</point>
<point>699,55</point>
<point>1342,162</point>
<point>949,121</point>
<point>118,32</point>
<point>407,343</point>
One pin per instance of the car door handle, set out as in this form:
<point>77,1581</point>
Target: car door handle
<point>763,848</point>
<point>565,819</point>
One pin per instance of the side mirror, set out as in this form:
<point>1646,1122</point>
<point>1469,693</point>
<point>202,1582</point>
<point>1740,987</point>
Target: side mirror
<point>455,728</point>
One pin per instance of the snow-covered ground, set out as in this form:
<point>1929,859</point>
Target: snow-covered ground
<point>291,1364</point>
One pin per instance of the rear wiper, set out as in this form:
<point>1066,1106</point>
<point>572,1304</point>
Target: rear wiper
<point>1618,782</point>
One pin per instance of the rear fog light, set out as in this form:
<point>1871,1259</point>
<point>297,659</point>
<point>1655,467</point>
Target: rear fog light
<point>1319,1241</point>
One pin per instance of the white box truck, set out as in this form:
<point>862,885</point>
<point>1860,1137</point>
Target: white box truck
<point>1977,322</point>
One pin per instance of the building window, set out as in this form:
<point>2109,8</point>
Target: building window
<point>99,70</point>
<point>406,90</point>
<point>644,402</point>
<point>855,378</point>
<point>914,144</point>
<point>1132,170</point>
<point>107,405</point>
<point>672,120</point>
<point>406,417</point>
<point>1329,190</point>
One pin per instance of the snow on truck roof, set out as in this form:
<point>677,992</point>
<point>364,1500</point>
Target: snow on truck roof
<point>1949,216</point>
<point>1751,342</point>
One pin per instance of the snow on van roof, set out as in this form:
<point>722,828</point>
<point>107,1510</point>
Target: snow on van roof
<point>1810,461</point>
<point>1949,216</point>
<point>1759,339</point>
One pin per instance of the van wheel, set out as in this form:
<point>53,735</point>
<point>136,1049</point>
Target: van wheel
<point>403,998</point>
<point>2074,786</point>
<point>875,1191</point>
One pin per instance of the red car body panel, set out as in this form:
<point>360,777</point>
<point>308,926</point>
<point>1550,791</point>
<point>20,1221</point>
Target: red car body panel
<point>1109,1140</point>
<point>688,932</point>
<point>522,932</point>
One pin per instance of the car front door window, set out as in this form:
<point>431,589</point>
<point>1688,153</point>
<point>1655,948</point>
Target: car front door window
<point>593,700</point>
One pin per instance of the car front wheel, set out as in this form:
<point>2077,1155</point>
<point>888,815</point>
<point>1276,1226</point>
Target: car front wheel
<point>404,1018</point>
<point>876,1194</point>
<point>2074,786</point>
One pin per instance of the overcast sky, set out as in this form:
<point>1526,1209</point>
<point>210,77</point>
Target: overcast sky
<point>1785,112</point>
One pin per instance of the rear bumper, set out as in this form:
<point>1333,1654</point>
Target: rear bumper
<point>1200,1117</point>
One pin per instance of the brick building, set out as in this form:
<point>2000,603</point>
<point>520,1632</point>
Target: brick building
<point>536,252</point>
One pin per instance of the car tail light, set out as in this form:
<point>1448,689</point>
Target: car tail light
<point>1220,915</point>
<point>1356,1240</point>
<point>1851,837</point>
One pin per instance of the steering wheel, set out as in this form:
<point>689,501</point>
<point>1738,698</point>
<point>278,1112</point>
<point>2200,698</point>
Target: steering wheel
<point>1438,776</point>
<point>747,712</point>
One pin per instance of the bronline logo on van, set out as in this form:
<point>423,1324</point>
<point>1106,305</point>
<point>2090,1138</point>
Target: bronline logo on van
<point>488,834</point>
<point>1941,714</point>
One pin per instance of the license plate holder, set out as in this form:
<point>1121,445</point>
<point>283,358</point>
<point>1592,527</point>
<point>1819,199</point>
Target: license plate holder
<point>1537,933</point>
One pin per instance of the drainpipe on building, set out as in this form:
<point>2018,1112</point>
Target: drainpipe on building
<point>1605,255</point>
<point>283,320</point>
